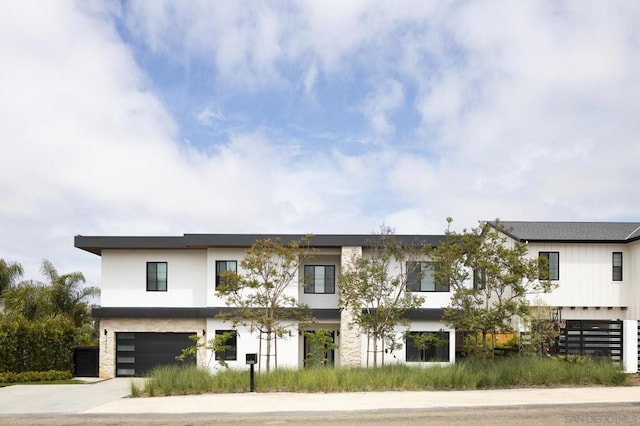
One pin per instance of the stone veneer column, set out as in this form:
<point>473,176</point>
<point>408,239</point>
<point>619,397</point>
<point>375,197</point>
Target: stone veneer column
<point>350,337</point>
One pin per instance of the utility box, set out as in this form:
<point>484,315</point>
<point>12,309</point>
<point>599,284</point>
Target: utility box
<point>251,359</point>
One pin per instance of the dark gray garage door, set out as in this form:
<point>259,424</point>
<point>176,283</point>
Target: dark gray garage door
<point>137,353</point>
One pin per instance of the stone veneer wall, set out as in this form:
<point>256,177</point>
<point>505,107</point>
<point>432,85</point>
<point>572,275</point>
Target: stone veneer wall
<point>146,325</point>
<point>350,337</point>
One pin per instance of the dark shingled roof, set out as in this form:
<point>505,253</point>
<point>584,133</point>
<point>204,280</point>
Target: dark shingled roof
<point>95,244</point>
<point>593,232</point>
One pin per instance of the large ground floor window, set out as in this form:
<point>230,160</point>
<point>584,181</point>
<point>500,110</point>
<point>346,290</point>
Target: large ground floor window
<point>427,346</point>
<point>319,348</point>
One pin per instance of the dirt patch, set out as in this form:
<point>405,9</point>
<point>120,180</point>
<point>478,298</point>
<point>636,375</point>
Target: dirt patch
<point>633,379</point>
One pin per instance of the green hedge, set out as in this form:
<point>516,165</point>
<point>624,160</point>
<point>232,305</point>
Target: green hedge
<point>35,376</point>
<point>27,346</point>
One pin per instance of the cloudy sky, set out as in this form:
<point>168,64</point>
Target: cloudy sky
<point>163,118</point>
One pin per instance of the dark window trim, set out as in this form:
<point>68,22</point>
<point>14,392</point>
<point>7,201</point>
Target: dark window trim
<point>616,271</point>
<point>551,275</point>
<point>433,354</point>
<point>218,277</point>
<point>152,283</point>
<point>416,287</point>
<point>479,279</point>
<point>230,354</point>
<point>309,288</point>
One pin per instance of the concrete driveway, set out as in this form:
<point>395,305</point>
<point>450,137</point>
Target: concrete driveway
<point>33,399</point>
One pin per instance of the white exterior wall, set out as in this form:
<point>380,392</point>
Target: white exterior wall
<point>579,313</point>
<point>124,278</point>
<point>630,346</point>
<point>288,347</point>
<point>320,301</point>
<point>432,299</point>
<point>399,355</point>
<point>586,275</point>
<point>631,276</point>
<point>213,255</point>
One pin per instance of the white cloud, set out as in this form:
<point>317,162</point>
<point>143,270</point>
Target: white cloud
<point>208,115</point>
<point>526,110</point>
<point>385,99</point>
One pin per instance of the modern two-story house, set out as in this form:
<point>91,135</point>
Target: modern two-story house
<point>158,291</point>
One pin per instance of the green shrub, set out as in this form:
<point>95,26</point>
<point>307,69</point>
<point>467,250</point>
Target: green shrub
<point>36,345</point>
<point>35,376</point>
<point>574,359</point>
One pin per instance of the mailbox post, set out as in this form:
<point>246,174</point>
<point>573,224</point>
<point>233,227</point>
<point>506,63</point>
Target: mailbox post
<point>251,359</point>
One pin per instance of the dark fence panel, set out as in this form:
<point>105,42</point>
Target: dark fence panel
<point>595,338</point>
<point>86,361</point>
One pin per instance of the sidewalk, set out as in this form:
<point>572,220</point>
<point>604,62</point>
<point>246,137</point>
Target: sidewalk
<point>112,397</point>
<point>366,401</point>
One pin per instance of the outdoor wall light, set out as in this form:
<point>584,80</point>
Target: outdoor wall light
<point>105,331</point>
<point>204,332</point>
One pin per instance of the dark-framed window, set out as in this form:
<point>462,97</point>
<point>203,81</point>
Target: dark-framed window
<point>421,278</point>
<point>434,349</point>
<point>230,353</point>
<point>479,279</point>
<point>550,269</point>
<point>156,276</point>
<point>224,266</point>
<point>617,265</point>
<point>320,279</point>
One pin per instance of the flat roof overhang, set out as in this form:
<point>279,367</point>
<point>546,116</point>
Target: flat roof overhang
<point>95,244</point>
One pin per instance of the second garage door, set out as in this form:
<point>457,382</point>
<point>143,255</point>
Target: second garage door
<point>137,353</point>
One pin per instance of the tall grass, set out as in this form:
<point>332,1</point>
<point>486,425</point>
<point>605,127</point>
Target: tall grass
<point>499,373</point>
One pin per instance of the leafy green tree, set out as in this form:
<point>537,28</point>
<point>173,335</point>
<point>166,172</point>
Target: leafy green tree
<point>502,275</point>
<point>10,273</point>
<point>375,292</point>
<point>258,292</point>
<point>320,344</point>
<point>68,294</point>
<point>28,299</point>
<point>219,344</point>
<point>544,329</point>
<point>60,296</point>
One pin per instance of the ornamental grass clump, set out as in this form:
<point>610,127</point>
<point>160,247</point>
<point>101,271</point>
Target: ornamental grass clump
<point>509,372</point>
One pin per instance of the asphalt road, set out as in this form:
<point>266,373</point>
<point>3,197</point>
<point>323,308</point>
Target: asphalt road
<point>594,414</point>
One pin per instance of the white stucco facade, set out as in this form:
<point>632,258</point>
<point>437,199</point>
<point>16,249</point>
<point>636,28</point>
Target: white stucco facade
<point>191,304</point>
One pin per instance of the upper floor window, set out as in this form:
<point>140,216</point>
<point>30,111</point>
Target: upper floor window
<point>617,266</point>
<point>421,277</point>
<point>479,279</point>
<point>320,279</point>
<point>223,266</point>
<point>156,276</point>
<point>550,269</point>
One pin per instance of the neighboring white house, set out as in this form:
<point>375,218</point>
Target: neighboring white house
<point>596,266</point>
<point>157,291</point>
